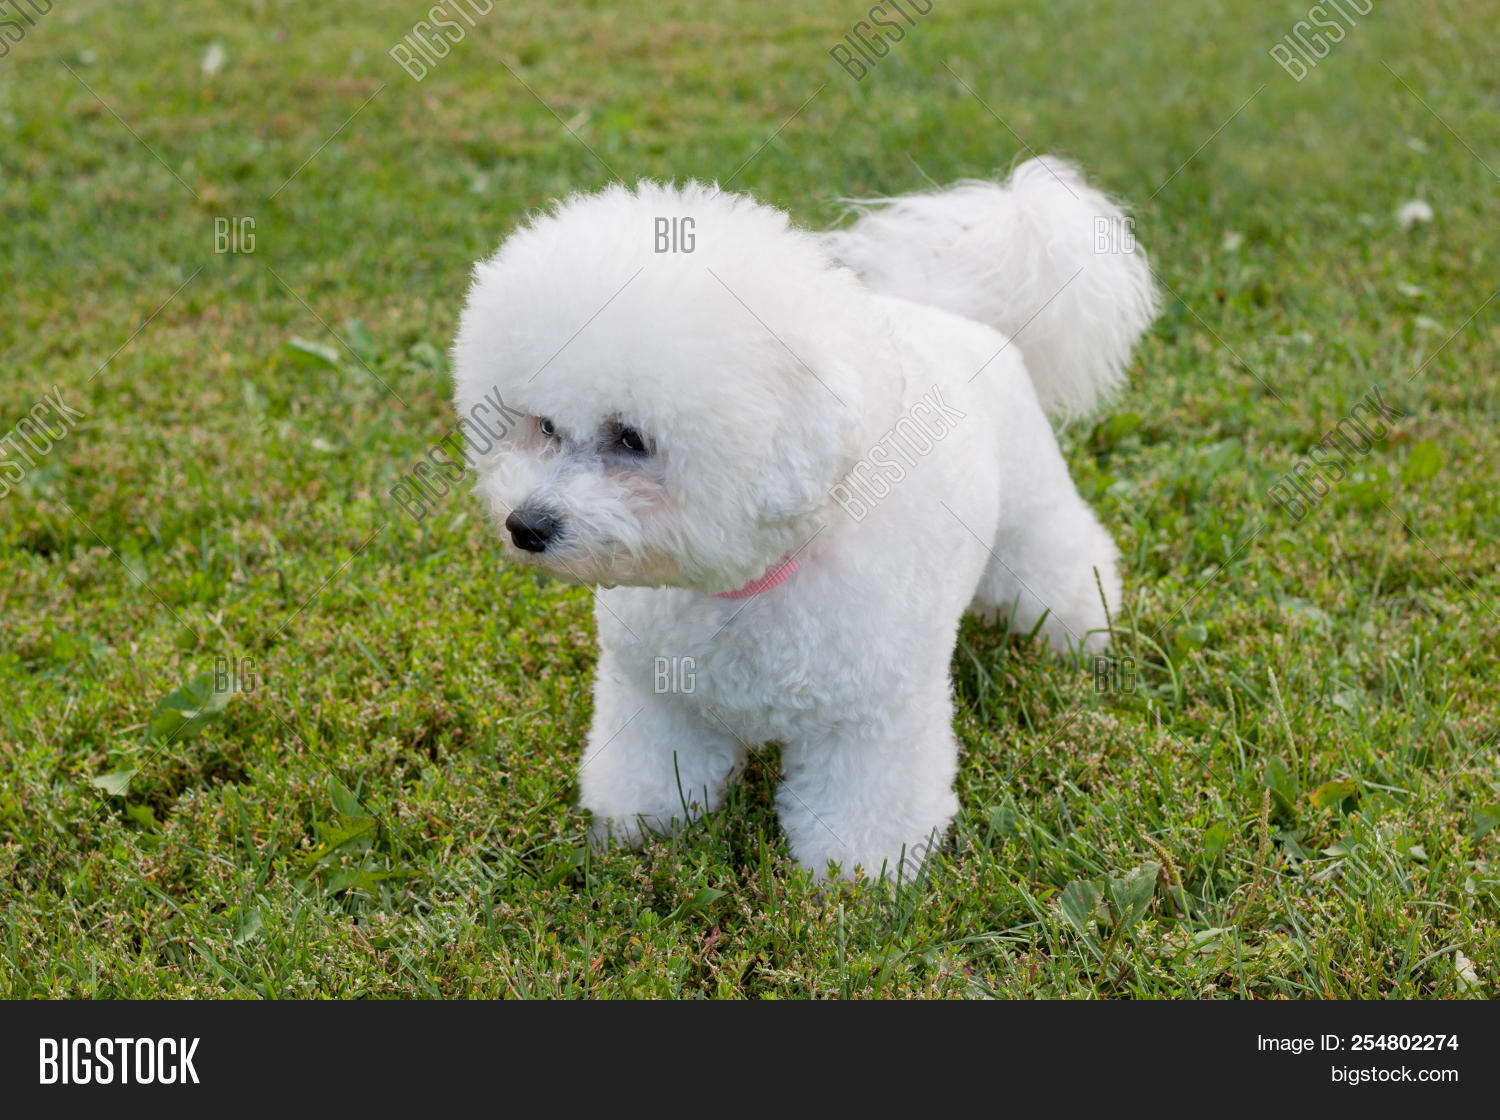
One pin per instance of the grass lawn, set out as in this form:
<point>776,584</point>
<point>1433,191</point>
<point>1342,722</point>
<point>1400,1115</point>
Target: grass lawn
<point>262,733</point>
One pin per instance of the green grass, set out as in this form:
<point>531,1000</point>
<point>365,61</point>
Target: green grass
<point>389,810</point>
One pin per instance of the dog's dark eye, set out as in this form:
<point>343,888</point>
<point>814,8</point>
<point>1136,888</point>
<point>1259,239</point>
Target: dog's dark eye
<point>631,440</point>
<point>548,428</point>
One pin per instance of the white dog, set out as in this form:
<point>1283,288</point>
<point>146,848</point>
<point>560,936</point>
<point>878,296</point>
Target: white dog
<point>791,461</point>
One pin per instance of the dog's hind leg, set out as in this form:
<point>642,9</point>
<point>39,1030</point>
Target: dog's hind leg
<point>1042,570</point>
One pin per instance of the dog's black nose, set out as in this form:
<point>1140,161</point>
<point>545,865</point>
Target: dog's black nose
<point>531,530</point>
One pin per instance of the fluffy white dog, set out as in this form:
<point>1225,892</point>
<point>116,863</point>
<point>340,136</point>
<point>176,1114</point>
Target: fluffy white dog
<point>791,461</point>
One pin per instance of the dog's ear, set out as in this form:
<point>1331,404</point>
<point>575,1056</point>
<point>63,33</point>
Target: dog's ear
<point>814,444</point>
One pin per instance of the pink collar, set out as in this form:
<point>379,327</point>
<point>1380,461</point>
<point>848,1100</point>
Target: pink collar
<point>774,575</point>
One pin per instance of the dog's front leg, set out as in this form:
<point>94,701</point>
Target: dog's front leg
<point>652,763</point>
<point>877,794</point>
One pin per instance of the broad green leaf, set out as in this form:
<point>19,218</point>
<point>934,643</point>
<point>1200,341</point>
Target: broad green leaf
<point>1282,785</point>
<point>1190,638</point>
<point>143,816</point>
<point>247,927</point>
<point>1423,461</point>
<point>424,353</point>
<point>357,879</point>
<point>184,713</point>
<point>1005,822</point>
<point>704,898</point>
<point>1206,941</point>
<point>358,336</point>
<point>354,833</point>
<point>1078,901</point>
<point>1486,817</point>
<point>1291,843</point>
<point>1330,795</point>
<point>1216,838</point>
<point>1307,610</point>
<point>115,783</point>
<point>318,351</point>
<point>1344,847</point>
<point>344,800</point>
<point>1132,895</point>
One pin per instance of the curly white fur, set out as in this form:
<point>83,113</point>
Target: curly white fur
<point>693,417</point>
<point>1043,258</point>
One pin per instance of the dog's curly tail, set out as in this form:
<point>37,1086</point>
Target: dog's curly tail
<point>1043,257</point>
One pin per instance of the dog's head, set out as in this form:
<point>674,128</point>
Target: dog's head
<point>661,386</point>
